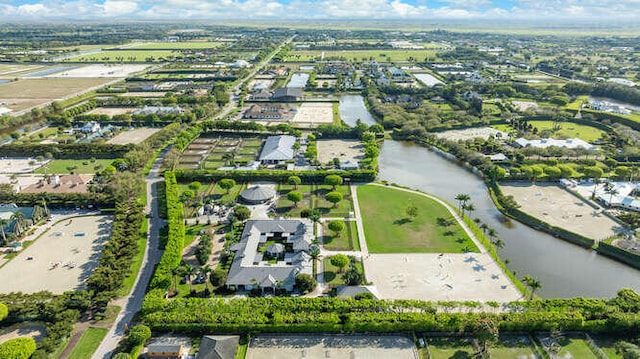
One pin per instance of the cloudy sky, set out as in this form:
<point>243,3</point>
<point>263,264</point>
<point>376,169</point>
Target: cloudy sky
<point>318,9</point>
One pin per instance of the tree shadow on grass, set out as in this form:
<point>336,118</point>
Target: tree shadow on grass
<point>329,276</point>
<point>399,222</point>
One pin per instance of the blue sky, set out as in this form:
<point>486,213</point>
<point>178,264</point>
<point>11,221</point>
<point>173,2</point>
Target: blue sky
<point>318,9</point>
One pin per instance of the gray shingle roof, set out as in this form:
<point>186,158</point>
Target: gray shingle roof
<point>218,347</point>
<point>278,148</point>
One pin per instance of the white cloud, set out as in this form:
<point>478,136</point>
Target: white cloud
<point>118,8</point>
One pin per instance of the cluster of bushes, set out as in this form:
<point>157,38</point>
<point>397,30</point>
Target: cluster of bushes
<point>58,313</point>
<point>203,250</point>
<point>138,119</point>
<point>18,348</point>
<point>609,250</point>
<point>67,150</point>
<point>363,175</point>
<point>371,151</point>
<point>64,118</point>
<point>161,137</point>
<point>185,137</point>
<point>118,253</point>
<point>312,148</point>
<point>59,200</point>
<point>279,314</point>
<point>175,241</point>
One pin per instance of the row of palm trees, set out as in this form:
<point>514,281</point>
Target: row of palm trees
<point>464,205</point>
<point>19,220</point>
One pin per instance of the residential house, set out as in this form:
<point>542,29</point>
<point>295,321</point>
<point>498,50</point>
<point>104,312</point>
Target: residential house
<point>75,183</point>
<point>165,350</point>
<point>264,112</point>
<point>571,143</point>
<point>218,347</point>
<point>270,254</point>
<point>277,149</point>
<point>90,127</point>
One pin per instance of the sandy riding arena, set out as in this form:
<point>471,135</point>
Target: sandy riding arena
<point>313,114</point>
<point>19,165</point>
<point>556,206</point>
<point>134,136</point>
<point>471,133</point>
<point>61,259</point>
<point>435,277</point>
<point>330,346</point>
<point>345,150</point>
<point>98,70</point>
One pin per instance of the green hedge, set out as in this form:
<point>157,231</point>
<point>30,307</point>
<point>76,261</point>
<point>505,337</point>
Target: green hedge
<point>18,348</point>
<point>175,242</point>
<point>68,150</point>
<point>272,175</point>
<point>620,254</point>
<point>99,200</point>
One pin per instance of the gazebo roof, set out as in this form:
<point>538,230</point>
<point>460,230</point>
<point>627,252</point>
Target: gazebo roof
<point>258,193</point>
<point>275,248</point>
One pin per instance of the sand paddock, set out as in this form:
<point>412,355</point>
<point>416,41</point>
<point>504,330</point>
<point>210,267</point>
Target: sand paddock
<point>111,111</point>
<point>18,165</point>
<point>62,258</point>
<point>558,207</point>
<point>436,277</point>
<point>345,150</point>
<point>313,114</point>
<point>471,133</point>
<point>331,346</point>
<point>33,330</point>
<point>134,136</point>
<point>101,70</point>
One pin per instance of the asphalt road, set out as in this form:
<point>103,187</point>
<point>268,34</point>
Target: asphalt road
<point>132,304</point>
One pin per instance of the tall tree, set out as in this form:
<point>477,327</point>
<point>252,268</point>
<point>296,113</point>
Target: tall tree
<point>462,199</point>
<point>532,283</point>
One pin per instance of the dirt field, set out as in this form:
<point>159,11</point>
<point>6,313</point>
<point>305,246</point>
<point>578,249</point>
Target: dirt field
<point>26,93</point>
<point>33,330</point>
<point>312,114</point>
<point>23,181</point>
<point>143,94</point>
<point>435,277</point>
<point>62,258</point>
<point>525,105</point>
<point>558,207</point>
<point>8,70</point>
<point>134,136</point>
<point>111,111</point>
<point>18,165</point>
<point>331,346</point>
<point>100,71</point>
<point>470,133</point>
<point>345,150</point>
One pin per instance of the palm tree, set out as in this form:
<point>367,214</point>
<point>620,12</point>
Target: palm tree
<point>3,222</point>
<point>207,272</point>
<point>612,191</point>
<point>532,283</point>
<point>191,270</point>
<point>462,199</point>
<point>18,217</point>
<point>484,227</point>
<point>469,207</point>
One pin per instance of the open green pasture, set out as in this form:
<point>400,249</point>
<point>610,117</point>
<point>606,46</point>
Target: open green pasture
<point>86,166</point>
<point>569,130</point>
<point>126,56</point>
<point>177,46</point>
<point>389,229</point>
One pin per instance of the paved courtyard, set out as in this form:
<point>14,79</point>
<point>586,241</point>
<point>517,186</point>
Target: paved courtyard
<point>439,277</point>
<point>331,346</point>
<point>60,260</point>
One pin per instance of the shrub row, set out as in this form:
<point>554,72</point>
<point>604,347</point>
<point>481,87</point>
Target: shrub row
<point>57,200</point>
<point>67,150</point>
<point>118,253</point>
<point>272,175</point>
<point>185,137</point>
<point>620,254</point>
<point>280,314</point>
<point>175,242</point>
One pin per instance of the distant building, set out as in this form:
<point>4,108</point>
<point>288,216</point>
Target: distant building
<point>264,112</point>
<point>277,149</point>
<point>158,110</point>
<point>287,94</point>
<point>165,350</point>
<point>90,127</point>
<point>240,64</point>
<point>4,111</point>
<point>218,347</point>
<point>76,183</point>
<point>257,265</point>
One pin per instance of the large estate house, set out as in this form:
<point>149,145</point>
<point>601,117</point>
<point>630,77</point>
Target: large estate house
<point>277,149</point>
<point>270,254</point>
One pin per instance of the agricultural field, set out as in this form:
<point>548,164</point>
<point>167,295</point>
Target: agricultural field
<point>433,230</point>
<point>177,45</point>
<point>127,56</point>
<point>24,94</point>
<point>382,55</point>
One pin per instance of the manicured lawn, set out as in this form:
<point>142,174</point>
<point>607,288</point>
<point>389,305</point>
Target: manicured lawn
<point>512,347</point>
<point>313,198</point>
<point>88,343</point>
<point>177,45</point>
<point>241,352</point>
<point>569,130</point>
<point>446,348</point>
<point>347,241</point>
<point>82,166</point>
<point>388,228</point>
<point>608,345</point>
<point>331,274</point>
<point>575,348</point>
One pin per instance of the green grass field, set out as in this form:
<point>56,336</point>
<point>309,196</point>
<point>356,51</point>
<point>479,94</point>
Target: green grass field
<point>347,241</point>
<point>608,346</point>
<point>575,348</point>
<point>82,166</point>
<point>446,348</point>
<point>386,55</point>
<point>388,228</point>
<point>177,46</point>
<point>88,343</point>
<point>569,130</point>
<point>313,198</point>
<point>331,274</point>
<point>512,347</point>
